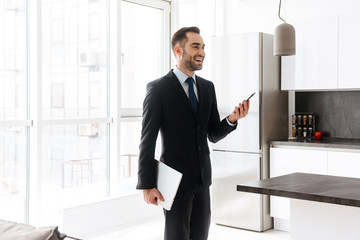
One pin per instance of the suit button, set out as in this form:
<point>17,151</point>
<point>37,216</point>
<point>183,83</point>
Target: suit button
<point>198,128</point>
<point>199,149</point>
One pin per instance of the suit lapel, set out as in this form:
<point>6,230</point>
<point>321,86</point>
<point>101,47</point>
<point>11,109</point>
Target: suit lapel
<point>178,89</point>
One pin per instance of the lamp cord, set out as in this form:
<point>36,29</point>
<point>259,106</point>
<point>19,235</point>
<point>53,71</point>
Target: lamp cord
<point>279,12</point>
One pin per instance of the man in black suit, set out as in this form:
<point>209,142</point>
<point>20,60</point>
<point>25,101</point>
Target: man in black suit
<point>186,115</point>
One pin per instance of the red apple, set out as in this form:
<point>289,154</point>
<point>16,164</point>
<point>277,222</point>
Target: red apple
<point>318,135</point>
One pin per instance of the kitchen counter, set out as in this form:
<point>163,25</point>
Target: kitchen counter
<point>322,207</point>
<point>352,144</point>
<point>312,187</point>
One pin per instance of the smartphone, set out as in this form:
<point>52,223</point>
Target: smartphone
<point>250,96</point>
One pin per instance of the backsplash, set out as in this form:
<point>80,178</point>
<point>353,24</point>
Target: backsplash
<point>337,113</point>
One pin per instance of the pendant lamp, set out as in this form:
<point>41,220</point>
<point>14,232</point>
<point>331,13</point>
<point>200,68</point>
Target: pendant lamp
<point>284,38</point>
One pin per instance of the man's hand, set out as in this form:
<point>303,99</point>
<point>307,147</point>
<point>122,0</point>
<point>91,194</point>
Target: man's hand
<point>152,195</point>
<point>239,112</point>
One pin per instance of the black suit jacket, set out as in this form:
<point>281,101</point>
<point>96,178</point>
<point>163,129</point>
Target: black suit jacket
<point>184,135</point>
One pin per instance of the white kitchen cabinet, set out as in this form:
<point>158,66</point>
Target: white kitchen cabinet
<point>344,164</point>
<point>289,160</point>
<point>315,66</point>
<point>286,160</point>
<point>349,51</point>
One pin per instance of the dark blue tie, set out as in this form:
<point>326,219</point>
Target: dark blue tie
<point>192,96</point>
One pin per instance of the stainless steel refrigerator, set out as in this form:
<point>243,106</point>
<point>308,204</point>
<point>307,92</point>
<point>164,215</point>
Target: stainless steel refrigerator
<point>243,64</point>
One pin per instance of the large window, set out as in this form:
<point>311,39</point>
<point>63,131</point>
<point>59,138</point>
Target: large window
<point>57,144</point>
<point>74,102</point>
<point>13,110</point>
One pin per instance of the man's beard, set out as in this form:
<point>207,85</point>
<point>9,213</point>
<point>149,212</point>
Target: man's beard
<point>191,64</point>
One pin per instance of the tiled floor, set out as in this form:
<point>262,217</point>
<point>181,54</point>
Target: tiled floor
<point>154,231</point>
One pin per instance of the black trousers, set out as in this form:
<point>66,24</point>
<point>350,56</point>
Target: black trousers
<point>189,217</point>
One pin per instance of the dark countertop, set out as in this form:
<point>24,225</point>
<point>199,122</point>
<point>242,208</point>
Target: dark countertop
<point>341,143</point>
<point>312,187</point>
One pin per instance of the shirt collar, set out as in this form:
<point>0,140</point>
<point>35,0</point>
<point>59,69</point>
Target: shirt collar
<point>182,76</point>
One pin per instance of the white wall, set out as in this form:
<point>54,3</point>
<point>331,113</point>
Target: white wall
<point>262,15</point>
<point>218,17</point>
<point>111,215</point>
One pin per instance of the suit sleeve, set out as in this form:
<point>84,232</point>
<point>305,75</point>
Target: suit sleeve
<point>150,129</point>
<point>217,129</point>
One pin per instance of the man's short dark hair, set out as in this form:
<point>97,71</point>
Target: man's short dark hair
<point>180,36</point>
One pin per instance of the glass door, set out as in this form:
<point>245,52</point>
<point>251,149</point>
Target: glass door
<point>145,54</point>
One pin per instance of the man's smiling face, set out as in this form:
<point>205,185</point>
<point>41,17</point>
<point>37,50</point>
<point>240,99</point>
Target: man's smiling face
<point>193,53</point>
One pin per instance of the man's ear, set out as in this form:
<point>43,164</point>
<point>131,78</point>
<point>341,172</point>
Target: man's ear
<point>177,50</point>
